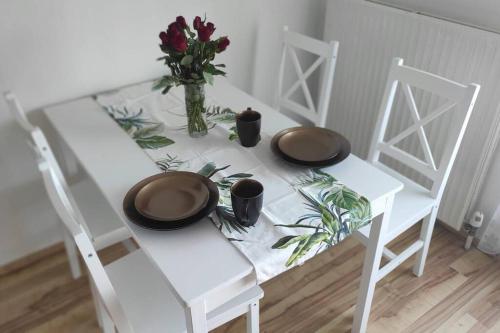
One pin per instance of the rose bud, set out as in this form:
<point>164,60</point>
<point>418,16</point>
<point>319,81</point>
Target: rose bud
<point>164,37</point>
<point>181,22</point>
<point>197,23</point>
<point>222,44</point>
<point>205,31</point>
<point>211,27</point>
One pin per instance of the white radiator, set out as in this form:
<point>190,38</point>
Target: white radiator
<point>370,35</point>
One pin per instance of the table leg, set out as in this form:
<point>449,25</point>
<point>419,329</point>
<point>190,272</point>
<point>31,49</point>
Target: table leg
<point>196,317</point>
<point>253,318</point>
<point>371,267</point>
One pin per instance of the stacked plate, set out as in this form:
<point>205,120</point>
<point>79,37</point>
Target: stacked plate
<point>311,146</point>
<point>171,200</point>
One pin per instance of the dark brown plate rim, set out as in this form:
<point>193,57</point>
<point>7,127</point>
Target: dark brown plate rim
<point>345,149</point>
<point>142,221</point>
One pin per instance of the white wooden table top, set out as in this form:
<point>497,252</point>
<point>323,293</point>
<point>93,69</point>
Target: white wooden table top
<point>198,260</point>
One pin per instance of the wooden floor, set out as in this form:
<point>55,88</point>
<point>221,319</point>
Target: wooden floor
<point>459,292</point>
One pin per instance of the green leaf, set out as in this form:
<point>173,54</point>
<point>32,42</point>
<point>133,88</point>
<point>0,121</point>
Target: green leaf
<point>167,88</point>
<point>166,81</point>
<point>331,223</point>
<point>187,60</point>
<point>220,65</point>
<point>308,217</point>
<point>361,214</point>
<point>207,169</point>
<point>233,136</point>
<point>154,142</point>
<point>125,125</point>
<point>284,242</point>
<point>213,70</point>
<point>323,174</point>
<point>209,78</point>
<point>147,131</point>
<point>316,178</point>
<point>240,175</point>
<point>343,197</point>
<point>295,225</point>
<point>305,245</point>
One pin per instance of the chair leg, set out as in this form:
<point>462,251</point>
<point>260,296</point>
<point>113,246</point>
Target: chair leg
<point>371,267</point>
<point>71,252</point>
<point>107,323</point>
<point>425,236</point>
<point>253,318</point>
<point>97,304</point>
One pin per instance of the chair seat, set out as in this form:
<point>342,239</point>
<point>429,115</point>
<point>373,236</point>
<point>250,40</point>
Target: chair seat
<point>411,204</point>
<point>149,304</point>
<point>102,222</point>
<point>144,295</point>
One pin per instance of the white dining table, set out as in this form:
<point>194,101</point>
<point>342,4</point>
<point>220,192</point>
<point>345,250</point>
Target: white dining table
<point>201,267</point>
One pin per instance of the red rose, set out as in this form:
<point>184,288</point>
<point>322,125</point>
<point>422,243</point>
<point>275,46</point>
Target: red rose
<point>178,42</point>
<point>197,22</point>
<point>222,44</point>
<point>174,37</point>
<point>205,31</point>
<point>173,28</point>
<point>181,22</point>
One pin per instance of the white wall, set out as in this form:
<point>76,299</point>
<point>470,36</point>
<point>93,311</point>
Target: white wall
<point>54,50</point>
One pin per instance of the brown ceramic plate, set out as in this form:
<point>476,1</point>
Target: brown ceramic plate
<point>173,197</point>
<point>145,222</point>
<point>311,146</point>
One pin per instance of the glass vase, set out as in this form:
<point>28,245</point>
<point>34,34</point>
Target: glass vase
<point>195,109</point>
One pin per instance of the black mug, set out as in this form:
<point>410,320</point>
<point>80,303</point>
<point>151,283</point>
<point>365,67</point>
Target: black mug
<point>248,127</point>
<point>247,197</point>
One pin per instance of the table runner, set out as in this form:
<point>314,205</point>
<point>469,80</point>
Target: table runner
<point>305,210</point>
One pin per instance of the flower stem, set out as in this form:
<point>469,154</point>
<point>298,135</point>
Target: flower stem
<point>195,109</point>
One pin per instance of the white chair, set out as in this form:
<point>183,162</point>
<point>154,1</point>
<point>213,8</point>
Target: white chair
<point>130,294</point>
<point>416,202</point>
<point>327,55</point>
<point>96,215</point>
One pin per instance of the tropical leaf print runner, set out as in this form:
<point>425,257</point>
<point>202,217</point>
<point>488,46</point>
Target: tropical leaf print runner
<point>305,211</point>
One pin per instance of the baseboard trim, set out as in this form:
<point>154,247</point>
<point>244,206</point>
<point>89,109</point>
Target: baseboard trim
<point>460,233</point>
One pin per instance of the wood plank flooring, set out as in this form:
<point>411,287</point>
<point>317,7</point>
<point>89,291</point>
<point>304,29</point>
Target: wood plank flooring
<point>459,292</point>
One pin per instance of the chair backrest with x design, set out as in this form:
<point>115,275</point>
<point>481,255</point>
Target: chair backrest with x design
<point>327,56</point>
<point>460,99</point>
